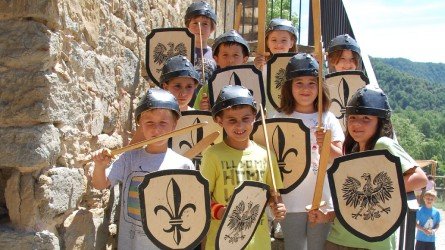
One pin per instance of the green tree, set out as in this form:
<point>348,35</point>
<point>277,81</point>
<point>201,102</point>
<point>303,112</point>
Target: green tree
<point>281,9</point>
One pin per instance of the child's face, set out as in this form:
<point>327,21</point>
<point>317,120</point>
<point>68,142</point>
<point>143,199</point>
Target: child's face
<point>238,124</point>
<point>230,55</point>
<point>156,122</point>
<point>429,200</point>
<point>346,61</point>
<point>182,88</point>
<point>305,91</point>
<point>206,28</point>
<point>362,128</point>
<point>280,41</point>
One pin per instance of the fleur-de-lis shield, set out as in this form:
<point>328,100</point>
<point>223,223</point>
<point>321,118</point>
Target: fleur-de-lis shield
<point>182,143</point>
<point>163,43</point>
<point>276,77</point>
<point>368,193</point>
<point>245,75</point>
<point>175,208</point>
<point>290,141</point>
<point>342,85</point>
<point>243,214</point>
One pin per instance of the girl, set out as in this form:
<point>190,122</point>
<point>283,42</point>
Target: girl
<point>344,54</point>
<point>180,78</point>
<point>281,37</point>
<point>369,127</point>
<point>299,98</point>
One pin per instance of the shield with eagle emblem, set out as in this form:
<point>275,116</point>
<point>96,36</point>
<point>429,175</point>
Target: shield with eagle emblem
<point>290,141</point>
<point>164,43</point>
<point>276,77</point>
<point>244,75</point>
<point>243,214</point>
<point>368,193</point>
<point>175,208</point>
<point>342,85</point>
<point>182,143</point>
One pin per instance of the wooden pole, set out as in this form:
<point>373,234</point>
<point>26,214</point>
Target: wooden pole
<point>316,14</point>
<point>261,48</point>
<point>201,145</point>
<point>202,56</point>
<point>269,156</point>
<point>237,22</point>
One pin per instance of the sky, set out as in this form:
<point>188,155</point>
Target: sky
<point>412,29</point>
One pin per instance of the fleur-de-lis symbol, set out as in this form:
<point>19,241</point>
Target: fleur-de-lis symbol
<point>234,80</point>
<point>342,101</point>
<point>281,154</point>
<point>199,136</point>
<point>174,210</point>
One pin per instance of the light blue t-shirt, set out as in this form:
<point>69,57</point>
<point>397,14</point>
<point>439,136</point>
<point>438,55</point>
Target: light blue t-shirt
<point>427,218</point>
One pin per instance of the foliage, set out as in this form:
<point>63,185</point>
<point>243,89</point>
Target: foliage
<point>281,12</point>
<point>418,104</point>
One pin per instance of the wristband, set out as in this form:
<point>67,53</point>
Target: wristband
<point>215,207</point>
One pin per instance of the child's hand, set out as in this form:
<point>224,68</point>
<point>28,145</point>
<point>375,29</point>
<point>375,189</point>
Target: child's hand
<point>205,103</point>
<point>317,217</point>
<point>260,60</point>
<point>102,158</point>
<point>319,135</point>
<point>278,210</point>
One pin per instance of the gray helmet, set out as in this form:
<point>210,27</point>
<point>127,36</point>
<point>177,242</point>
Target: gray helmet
<point>301,64</point>
<point>342,42</point>
<point>199,9</point>
<point>157,99</point>
<point>281,24</point>
<point>232,95</point>
<point>178,66</point>
<point>230,36</point>
<point>369,100</point>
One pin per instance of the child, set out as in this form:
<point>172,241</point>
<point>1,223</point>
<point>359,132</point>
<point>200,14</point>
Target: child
<point>180,78</point>
<point>157,113</point>
<point>428,219</point>
<point>201,13</point>
<point>344,54</point>
<point>229,49</point>
<point>281,37</point>
<point>299,99</point>
<point>369,127</point>
<point>227,164</point>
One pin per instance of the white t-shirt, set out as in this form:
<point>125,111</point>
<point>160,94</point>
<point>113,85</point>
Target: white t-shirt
<point>130,169</point>
<point>302,195</point>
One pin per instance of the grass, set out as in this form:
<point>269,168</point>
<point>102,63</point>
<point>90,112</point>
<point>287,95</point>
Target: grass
<point>440,203</point>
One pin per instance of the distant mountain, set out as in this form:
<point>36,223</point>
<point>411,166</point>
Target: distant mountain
<point>420,86</point>
<point>434,72</point>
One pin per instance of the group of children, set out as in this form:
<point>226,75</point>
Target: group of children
<point>368,127</point>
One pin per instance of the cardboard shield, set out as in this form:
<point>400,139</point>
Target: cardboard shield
<point>276,77</point>
<point>182,143</point>
<point>244,75</point>
<point>290,141</point>
<point>243,214</point>
<point>368,193</point>
<point>164,43</point>
<point>175,208</point>
<point>342,85</point>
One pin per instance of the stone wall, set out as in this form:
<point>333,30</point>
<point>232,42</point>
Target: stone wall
<point>70,74</point>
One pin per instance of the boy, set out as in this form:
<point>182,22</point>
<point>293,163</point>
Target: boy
<point>157,113</point>
<point>229,49</point>
<point>428,219</point>
<point>180,78</point>
<point>201,12</point>
<point>228,163</point>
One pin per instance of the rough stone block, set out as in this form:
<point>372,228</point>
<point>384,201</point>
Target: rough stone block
<point>13,239</point>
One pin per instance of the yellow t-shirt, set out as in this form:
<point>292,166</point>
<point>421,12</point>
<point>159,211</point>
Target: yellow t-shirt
<point>226,168</point>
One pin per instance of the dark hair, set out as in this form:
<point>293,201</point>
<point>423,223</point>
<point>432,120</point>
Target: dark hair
<point>187,22</point>
<point>384,128</point>
<point>335,56</point>
<point>231,43</point>
<point>287,104</point>
<point>239,106</point>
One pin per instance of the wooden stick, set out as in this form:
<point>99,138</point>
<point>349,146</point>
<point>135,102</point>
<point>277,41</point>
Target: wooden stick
<point>316,14</point>
<point>269,157</point>
<point>261,49</point>
<point>201,145</point>
<point>237,22</point>
<point>322,166</point>
<point>157,139</point>
<point>202,56</point>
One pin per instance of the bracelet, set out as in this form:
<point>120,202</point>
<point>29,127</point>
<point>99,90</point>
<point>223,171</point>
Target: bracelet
<point>215,207</point>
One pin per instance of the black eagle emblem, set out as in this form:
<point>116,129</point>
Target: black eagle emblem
<point>280,78</point>
<point>162,53</point>
<point>241,219</point>
<point>371,197</point>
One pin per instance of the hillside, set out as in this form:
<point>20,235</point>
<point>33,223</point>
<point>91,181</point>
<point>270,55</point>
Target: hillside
<point>417,95</point>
